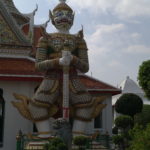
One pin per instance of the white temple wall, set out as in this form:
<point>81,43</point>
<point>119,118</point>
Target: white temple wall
<point>13,121</point>
<point>106,119</point>
<point>107,116</point>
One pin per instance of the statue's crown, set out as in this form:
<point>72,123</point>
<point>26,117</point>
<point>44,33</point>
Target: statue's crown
<point>62,6</point>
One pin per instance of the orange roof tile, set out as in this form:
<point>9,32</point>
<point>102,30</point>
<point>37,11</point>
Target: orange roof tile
<point>95,85</point>
<point>17,66</point>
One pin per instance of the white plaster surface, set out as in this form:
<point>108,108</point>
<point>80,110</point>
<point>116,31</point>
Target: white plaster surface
<point>13,120</point>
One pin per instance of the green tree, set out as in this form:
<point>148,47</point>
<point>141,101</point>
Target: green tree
<point>144,77</point>
<point>143,118</point>
<point>129,104</point>
<point>140,138</point>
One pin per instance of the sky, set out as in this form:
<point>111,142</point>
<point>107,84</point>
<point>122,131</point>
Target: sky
<point>116,31</point>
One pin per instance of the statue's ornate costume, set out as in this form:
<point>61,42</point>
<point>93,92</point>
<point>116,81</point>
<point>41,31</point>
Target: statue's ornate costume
<point>50,90</point>
<point>48,98</point>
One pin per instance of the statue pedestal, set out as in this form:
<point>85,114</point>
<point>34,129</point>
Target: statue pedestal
<point>35,145</point>
<point>31,142</point>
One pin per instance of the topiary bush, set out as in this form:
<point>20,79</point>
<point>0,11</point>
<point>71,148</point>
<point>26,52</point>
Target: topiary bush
<point>129,104</point>
<point>124,122</point>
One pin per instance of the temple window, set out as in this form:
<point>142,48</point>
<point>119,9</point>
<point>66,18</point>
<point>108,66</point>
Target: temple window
<point>2,109</point>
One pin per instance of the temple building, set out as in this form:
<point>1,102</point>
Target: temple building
<point>18,40</point>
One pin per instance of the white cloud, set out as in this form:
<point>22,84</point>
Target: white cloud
<point>135,35</point>
<point>122,8</point>
<point>114,63</point>
<point>133,8</point>
<point>103,33</point>
<point>137,49</point>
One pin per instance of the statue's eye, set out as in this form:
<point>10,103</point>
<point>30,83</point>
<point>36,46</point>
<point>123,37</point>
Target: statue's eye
<point>59,14</point>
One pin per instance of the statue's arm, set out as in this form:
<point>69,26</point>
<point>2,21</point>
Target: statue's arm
<point>42,61</point>
<point>81,61</point>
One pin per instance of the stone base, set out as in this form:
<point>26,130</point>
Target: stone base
<point>35,145</point>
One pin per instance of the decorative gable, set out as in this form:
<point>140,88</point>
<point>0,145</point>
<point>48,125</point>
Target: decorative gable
<point>6,34</point>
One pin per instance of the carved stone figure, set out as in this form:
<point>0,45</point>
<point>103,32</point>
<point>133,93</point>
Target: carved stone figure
<point>51,59</point>
<point>63,131</point>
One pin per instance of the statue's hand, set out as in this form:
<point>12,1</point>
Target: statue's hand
<point>66,58</point>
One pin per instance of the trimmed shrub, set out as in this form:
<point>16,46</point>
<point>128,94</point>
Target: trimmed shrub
<point>124,122</point>
<point>129,104</point>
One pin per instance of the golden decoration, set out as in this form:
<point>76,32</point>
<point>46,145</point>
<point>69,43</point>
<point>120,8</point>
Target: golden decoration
<point>23,109</point>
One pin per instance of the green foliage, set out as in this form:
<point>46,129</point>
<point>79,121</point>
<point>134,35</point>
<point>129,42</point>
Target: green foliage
<point>140,138</point>
<point>129,104</point>
<point>143,118</point>
<point>56,141</point>
<point>144,77</point>
<point>124,122</point>
<point>46,146</point>
<point>61,146</point>
<point>52,148</point>
<point>80,141</point>
<point>55,144</point>
<point>118,139</point>
<point>115,130</point>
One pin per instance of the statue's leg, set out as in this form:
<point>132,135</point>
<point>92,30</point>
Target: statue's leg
<point>41,107</point>
<point>78,127</point>
<point>80,122</point>
<point>41,120</point>
<point>80,98</point>
<point>44,128</point>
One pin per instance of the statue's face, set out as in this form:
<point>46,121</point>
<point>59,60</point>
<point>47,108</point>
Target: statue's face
<point>63,20</point>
